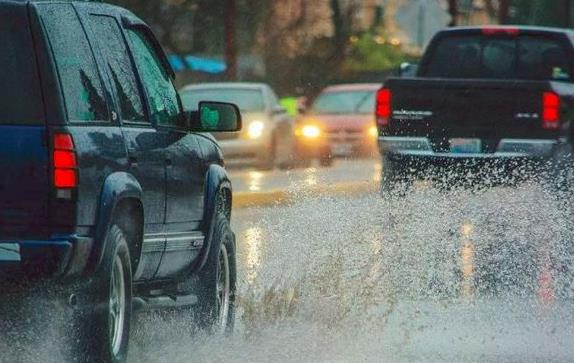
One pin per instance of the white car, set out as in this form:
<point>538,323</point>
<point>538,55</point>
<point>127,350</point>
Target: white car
<point>267,137</point>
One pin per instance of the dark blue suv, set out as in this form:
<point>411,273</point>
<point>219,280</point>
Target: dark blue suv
<point>108,188</point>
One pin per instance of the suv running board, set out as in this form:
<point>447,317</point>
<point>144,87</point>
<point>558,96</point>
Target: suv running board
<point>163,302</point>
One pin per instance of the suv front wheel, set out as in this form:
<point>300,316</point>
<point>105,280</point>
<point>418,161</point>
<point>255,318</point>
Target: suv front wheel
<point>217,280</point>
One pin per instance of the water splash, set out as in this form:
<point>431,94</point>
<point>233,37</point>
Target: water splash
<point>438,274</point>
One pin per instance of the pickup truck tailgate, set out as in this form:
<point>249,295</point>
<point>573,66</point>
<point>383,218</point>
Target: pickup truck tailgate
<point>485,109</point>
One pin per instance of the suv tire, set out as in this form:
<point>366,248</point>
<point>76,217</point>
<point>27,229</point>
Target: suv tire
<point>217,280</point>
<point>104,314</point>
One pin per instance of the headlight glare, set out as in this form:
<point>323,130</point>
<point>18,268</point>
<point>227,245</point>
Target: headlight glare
<point>255,129</point>
<point>310,131</point>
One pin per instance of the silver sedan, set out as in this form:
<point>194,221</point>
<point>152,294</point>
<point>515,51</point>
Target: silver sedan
<point>267,138</point>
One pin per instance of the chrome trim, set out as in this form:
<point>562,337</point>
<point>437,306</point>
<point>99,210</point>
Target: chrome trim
<point>528,147</point>
<point>507,148</point>
<point>175,241</point>
<point>153,243</point>
<point>184,241</point>
<point>184,245</point>
<point>400,143</point>
<point>10,252</point>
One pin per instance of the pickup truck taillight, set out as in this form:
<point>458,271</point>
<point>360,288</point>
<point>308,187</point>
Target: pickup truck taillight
<point>384,106</point>
<point>65,165</point>
<point>508,31</point>
<point>550,111</point>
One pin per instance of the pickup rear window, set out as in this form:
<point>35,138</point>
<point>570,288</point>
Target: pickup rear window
<point>526,57</point>
<point>20,97</point>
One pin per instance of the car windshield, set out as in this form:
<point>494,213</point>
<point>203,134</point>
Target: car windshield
<point>248,100</point>
<point>344,102</point>
<point>525,57</point>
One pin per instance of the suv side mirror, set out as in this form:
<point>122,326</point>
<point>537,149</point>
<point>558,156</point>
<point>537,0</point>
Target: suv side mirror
<point>215,117</point>
<point>408,69</point>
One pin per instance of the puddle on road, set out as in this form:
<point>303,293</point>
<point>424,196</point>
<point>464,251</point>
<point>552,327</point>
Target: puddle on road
<point>455,275</point>
<point>436,275</point>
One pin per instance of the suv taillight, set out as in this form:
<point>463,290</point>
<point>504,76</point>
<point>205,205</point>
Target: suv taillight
<point>384,107</point>
<point>550,110</point>
<point>65,165</point>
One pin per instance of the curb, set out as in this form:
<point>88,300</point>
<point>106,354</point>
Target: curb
<point>285,197</point>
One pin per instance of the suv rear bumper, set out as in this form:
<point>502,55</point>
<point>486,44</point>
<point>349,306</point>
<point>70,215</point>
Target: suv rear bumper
<point>420,147</point>
<point>63,256</point>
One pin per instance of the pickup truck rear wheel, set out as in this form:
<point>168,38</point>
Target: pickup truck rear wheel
<point>104,312</point>
<point>217,280</point>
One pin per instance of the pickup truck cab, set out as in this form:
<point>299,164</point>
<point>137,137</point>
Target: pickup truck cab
<point>499,95</point>
<point>109,190</point>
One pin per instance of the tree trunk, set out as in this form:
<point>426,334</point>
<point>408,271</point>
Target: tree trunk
<point>339,39</point>
<point>230,39</point>
<point>504,11</point>
<point>453,11</point>
<point>567,22</point>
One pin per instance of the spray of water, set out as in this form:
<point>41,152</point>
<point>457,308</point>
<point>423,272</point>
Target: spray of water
<point>434,274</point>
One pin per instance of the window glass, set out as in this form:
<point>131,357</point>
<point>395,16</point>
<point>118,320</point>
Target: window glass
<point>81,85</point>
<point>110,39</point>
<point>248,100</point>
<point>499,58</point>
<point>525,57</point>
<point>162,95</point>
<point>457,57</point>
<point>273,98</point>
<point>20,98</point>
<point>542,59</point>
<point>344,102</point>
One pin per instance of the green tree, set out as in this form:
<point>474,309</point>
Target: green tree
<point>543,12</point>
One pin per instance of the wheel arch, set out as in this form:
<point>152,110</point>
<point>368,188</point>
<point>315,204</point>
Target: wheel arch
<point>217,195</point>
<point>120,203</point>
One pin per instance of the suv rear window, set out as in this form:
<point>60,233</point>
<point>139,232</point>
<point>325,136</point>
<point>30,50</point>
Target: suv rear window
<point>526,57</point>
<point>20,94</point>
<point>81,84</point>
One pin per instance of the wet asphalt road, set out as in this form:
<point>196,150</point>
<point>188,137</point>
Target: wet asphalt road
<point>436,275</point>
<point>342,172</point>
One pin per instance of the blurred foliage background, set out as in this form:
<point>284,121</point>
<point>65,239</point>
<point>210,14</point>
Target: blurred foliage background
<point>298,46</point>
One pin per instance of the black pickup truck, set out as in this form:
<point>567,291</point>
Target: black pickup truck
<point>495,95</point>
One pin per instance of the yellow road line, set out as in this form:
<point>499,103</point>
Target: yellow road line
<point>282,197</point>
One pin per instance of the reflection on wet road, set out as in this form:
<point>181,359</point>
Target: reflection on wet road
<point>343,171</point>
<point>436,275</point>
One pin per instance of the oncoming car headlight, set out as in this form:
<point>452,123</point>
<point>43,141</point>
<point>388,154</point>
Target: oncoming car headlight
<point>310,131</point>
<point>255,129</point>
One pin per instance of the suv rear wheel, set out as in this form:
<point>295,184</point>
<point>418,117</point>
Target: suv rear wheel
<point>104,314</point>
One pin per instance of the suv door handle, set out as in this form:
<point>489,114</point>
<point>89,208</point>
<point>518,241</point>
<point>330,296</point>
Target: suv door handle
<point>168,162</point>
<point>132,160</point>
